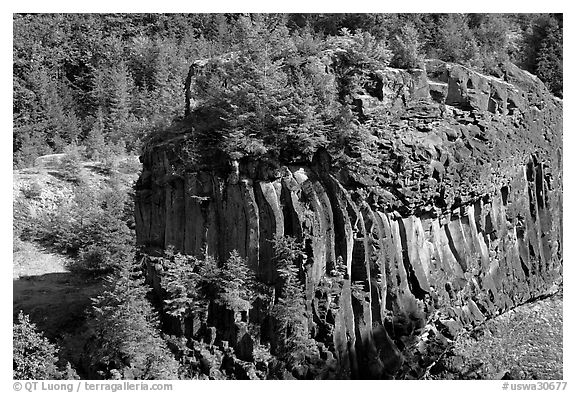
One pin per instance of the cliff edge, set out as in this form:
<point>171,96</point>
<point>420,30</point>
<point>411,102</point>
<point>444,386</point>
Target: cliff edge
<point>461,222</point>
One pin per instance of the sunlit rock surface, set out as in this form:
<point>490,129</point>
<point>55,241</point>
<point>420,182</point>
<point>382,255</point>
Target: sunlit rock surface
<point>465,224</point>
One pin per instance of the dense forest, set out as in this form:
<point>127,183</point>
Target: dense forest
<point>105,81</point>
<point>271,85</point>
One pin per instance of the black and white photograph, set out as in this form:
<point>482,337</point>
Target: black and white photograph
<point>287,196</point>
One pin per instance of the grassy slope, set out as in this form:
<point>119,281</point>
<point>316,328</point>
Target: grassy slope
<point>55,298</point>
<point>524,343</point>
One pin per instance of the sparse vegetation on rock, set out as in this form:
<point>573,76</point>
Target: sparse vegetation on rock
<point>304,210</point>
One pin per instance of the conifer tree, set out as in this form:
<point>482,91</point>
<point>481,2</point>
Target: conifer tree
<point>167,83</point>
<point>95,141</point>
<point>264,97</point>
<point>235,284</point>
<point>183,284</point>
<point>549,60</point>
<point>59,126</point>
<point>289,311</point>
<point>492,36</point>
<point>119,115</point>
<point>34,357</point>
<point>456,41</point>
<point>356,56</point>
<point>162,88</point>
<point>406,48</point>
<point>126,340</point>
<point>99,89</point>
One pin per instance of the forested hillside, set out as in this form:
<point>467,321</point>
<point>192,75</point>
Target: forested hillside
<point>319,196</point>
<point>104,81</point>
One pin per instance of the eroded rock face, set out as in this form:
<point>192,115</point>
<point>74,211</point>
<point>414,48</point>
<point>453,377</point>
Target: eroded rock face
<point>467,224</point>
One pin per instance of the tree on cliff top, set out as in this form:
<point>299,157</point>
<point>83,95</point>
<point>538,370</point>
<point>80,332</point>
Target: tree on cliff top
<point>67,66</point>
<point>549,61</point>
<point>263,101</point>
<point>406,48</point>
<point>277,95</point>
<point>281,94</point>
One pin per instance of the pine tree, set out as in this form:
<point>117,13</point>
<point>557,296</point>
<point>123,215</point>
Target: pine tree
<point>183,285</point>
<point>163,104</point>
<point>289,311</point>
<point>264,91</point>
<point>126,341</point>
<point>95,141</point>
<point>492,33</point>
<point>406,48</point>
<point>549,60</point>
<point>34,357</point>
<point>274,94</point>
<point>99,89</point>
<point>235,284</point>
<point>29,143</point>
<point>60,126</point>
<point>259,98</point>
<point>456,40</point>
<point>120,103</point>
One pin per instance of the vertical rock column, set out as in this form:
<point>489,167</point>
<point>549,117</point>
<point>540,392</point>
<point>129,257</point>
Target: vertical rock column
<point>484,257</point>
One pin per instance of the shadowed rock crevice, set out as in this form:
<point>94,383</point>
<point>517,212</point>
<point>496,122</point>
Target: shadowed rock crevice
<point>463,221</point>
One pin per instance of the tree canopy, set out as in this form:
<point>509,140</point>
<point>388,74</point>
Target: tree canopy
<point>114,78</point>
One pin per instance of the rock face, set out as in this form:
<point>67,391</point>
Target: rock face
<point>467,222</point>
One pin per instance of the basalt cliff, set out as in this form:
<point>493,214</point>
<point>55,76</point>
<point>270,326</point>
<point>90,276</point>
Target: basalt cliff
<point>465,223</point>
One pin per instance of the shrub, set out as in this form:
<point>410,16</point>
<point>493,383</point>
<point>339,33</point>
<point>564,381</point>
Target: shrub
<point>130,165</point>
<point>104,243</point>
<point>22,225</point>
<point>90,227</point>
<point>111,157</point>
<point>32,190</point>
<point>356,57</point>
<point>70,168</point>
<point>99,242</point>
<point>17,243</point>
<point>34,357</point>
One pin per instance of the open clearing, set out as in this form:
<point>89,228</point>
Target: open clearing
<point>55,299</point>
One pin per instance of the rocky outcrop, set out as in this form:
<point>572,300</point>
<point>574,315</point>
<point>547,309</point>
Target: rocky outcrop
<point>466,221</point>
